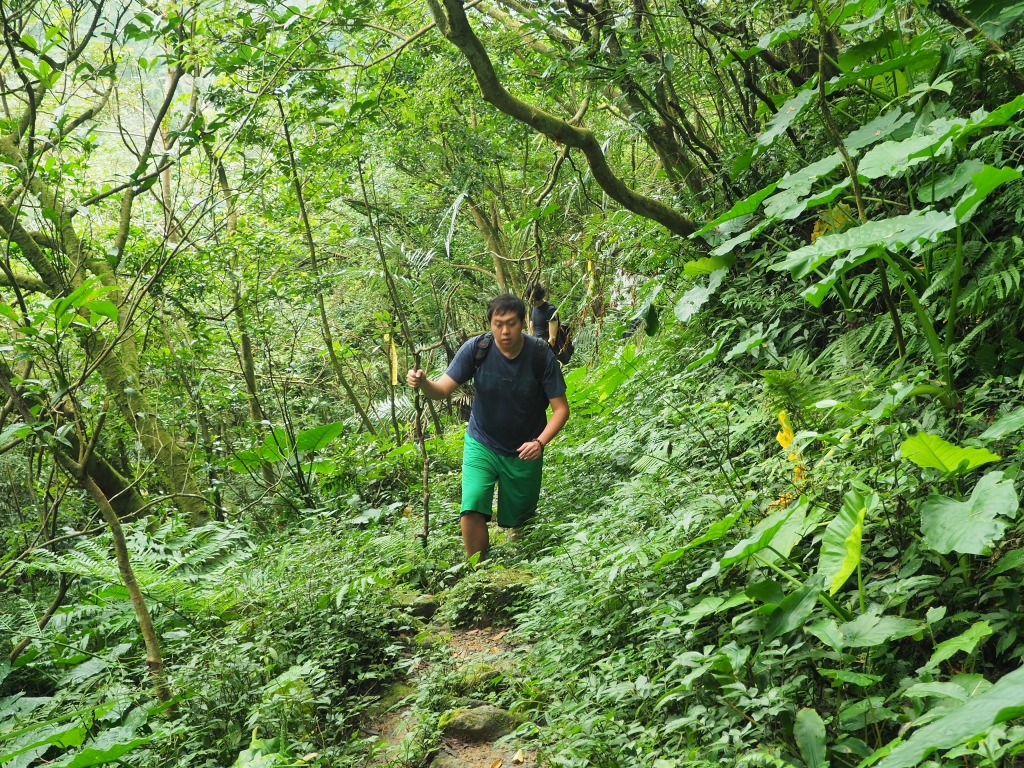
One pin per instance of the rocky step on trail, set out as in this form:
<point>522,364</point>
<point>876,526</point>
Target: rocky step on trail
<point>458,660</point>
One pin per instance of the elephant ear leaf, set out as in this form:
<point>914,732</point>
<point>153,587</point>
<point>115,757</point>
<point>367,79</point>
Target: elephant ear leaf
<point>319,437</point>
<point>1008,424</point>
<point>841,544</point>
<point>998,704</point>
<point>932,451</point>
<point>970,527</point>
<point>792,612</point>
<point>809,730</point>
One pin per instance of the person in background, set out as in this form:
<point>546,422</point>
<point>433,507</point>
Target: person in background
<point>543,314</point>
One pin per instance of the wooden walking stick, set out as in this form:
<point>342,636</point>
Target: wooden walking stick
<point>422,442</point>
<point>404,322</point>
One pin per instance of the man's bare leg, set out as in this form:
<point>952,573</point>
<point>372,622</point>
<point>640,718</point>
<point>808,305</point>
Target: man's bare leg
<point>474,534</point>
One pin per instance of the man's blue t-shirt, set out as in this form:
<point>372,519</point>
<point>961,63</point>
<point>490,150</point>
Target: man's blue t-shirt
<point>510,406</point>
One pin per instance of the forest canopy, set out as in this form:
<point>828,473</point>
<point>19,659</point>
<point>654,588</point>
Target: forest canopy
<point>781,528</point>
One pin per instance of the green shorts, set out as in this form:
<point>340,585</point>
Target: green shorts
<point>518,484</point>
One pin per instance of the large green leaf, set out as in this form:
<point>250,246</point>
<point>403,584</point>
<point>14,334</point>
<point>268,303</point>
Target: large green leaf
<point>792,612</point>
<point>760,538</point>
<point>927,450</point>
<point>276,446</point>
<point>809,732</point>
<point>985,182</point>
<point>893,158</point>
<point>108,747</point>
<point>913,60</point>
<point>742,237</point>
<point>784,118</point>
<point>1009,562</point>
<point>841,544</point>
<point>972,526</point>
<point>870,629</point>
<point>804,179</point>
<point>1002,701</point>
<point>995,17</point>
<point>707,265</point>
<point>828,632</point>
<point>966,641</point>
<point>877,129</point>
<point>245,461</point>
<point>744,207</point>
<point>861,52</point>
<point>785,31</point>
<point>816,292</point>
<point>942,690</point>
<point>1004,425</point>
<point>786,537</point>
<point>942,187</point>
<point>840,676</point>
<point>981,120</point>
<point>103,307</point>
<point>45,734</point>
<point>695,298</point>
<point>717,530</point>
<point>893,233</point>
<point>318,437</point>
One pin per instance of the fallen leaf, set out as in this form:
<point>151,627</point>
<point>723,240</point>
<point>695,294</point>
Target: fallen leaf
<point>498,636</point>
<point>519,758</point>
<point>497,763</point>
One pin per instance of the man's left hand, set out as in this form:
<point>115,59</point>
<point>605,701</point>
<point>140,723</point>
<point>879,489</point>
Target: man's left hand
<point>530,451</point>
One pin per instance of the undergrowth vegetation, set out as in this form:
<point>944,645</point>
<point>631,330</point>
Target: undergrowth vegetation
<point>781,529</point>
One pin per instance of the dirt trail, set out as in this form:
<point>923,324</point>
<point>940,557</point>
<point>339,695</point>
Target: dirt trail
<point>466,647</point>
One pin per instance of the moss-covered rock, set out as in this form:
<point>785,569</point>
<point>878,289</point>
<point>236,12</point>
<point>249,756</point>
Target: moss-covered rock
<point>485,723</point>
<point>393,694</point>
<point>420,606</point>
<point>474,677</point>
<point>488,598</point>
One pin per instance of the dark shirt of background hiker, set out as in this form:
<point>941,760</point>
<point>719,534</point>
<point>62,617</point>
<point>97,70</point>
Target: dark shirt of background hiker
<point>543,314</point>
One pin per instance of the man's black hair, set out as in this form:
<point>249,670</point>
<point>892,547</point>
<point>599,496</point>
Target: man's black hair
<point>505,303</point>
<point>536,292</point>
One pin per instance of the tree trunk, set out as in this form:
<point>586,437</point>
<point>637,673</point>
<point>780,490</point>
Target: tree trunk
<point>452,22</point>
<point>324,325</point>
<point>154,659</point>
<point>494,239</point>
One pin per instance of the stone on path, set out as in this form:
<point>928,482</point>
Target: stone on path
<point>449,761</point>
<point>486,598</point>
<point>486,723</point>
<point>420,606</point>
<point>475,676</point>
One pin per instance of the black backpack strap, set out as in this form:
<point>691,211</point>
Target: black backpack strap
<point>481,346</point>
<point>539,359</point>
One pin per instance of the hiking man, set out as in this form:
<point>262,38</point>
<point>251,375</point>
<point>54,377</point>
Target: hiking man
<point>543,315</point>
<point>516,377</point>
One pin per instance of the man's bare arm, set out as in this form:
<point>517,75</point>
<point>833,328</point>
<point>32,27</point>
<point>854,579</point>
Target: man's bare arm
<point>553,330</point>
<point>435,390</point>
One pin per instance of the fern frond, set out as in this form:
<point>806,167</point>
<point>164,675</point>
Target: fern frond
<point>941,281</point>
<point>864,288</point>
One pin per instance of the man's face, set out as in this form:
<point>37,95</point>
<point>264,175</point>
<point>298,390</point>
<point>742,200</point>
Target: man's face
<point>507,330</point>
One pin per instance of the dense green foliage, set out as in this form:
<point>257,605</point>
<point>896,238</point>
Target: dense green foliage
<point>781,528</point>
